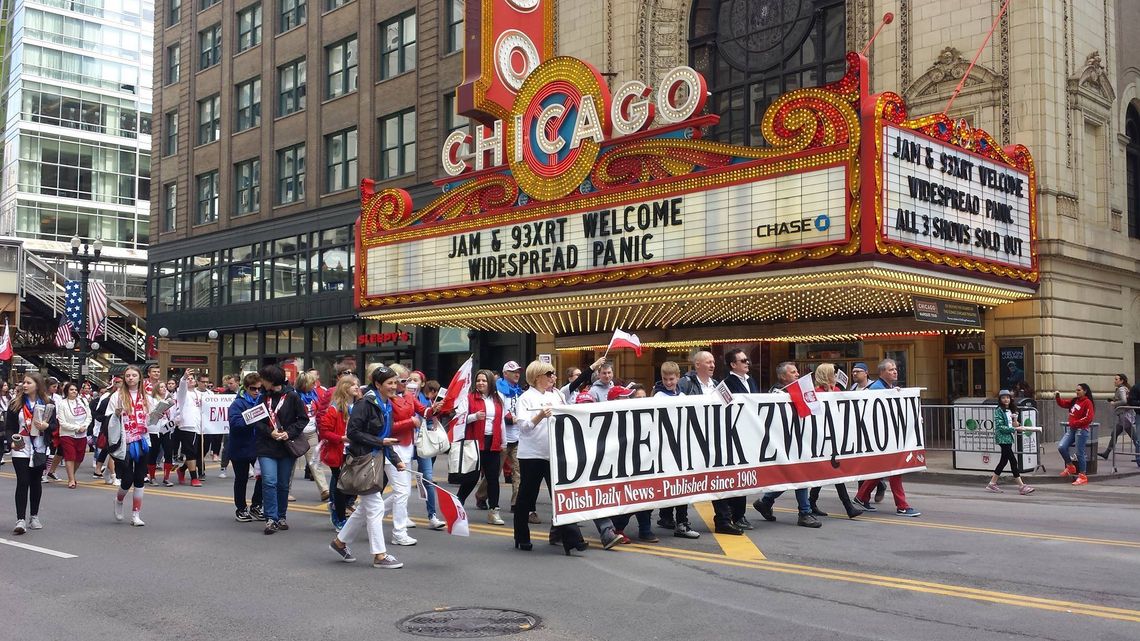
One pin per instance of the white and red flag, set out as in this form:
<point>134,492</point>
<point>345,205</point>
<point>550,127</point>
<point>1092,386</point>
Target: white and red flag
<point>623,339</point>
<point>5,344</point>
<point>96,309</point>
<point>455,400</point>
<point>803,397</point>
<point>451,510</point>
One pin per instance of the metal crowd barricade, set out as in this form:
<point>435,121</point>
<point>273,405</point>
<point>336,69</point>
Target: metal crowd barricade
<point>967,430</point>
<point>1133,453</point>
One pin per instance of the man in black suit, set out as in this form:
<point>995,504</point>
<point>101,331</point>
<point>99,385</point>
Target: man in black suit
<point>739,381</point>
<point>701,381</point>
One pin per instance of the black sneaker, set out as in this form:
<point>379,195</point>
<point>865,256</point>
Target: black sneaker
<point>52,476</point>
<point>727,528</point>
<point>257,513</point>
<point>482,505</point>
<point>668,524</point>
<point>817,512</point>
<point>242,516</point>
<point>743,523</point>
<point>880,492</point>
<point>807,520</point>
<point>271,527</point>
<point>683,531</point>
<point>764,509</point>
<point>282,525</point>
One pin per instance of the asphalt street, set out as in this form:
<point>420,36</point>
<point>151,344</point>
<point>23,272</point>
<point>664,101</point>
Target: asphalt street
<point>1061,564</point>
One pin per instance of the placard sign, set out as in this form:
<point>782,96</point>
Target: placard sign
<point>216,413</point>
<point>623,456</point>
<point>974,445</point>
<point>949,200</point>
<point>787,211</point>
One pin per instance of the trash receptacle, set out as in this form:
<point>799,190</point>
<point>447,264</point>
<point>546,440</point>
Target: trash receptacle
<point>1091,458</point>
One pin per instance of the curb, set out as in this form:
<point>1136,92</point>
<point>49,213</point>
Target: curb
<point>974,478</point>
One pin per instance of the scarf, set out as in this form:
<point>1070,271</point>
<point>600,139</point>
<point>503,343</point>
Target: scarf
<point>507,388</point>
<point>385,407</point>
<point>134,426</point>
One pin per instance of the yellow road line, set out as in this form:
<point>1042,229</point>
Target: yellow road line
<point>830,574</point>
<point>734,547</point>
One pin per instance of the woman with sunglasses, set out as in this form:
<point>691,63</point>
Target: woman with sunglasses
<point>242,449</point>
<point>535,407</point>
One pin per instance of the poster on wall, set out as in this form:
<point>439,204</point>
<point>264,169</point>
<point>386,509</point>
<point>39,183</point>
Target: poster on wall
<point>1011,366</point>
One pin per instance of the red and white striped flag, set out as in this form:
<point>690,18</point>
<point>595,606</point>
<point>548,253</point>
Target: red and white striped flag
<point>455,400</point>
<point>624,339</point>
<point>452,511</point>
<point>96,308</point>
<point>63,332</point>
<point>803,397</point>
<point>5,344</point>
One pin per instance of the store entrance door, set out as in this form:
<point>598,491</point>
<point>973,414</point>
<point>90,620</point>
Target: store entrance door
<point>965,376</point>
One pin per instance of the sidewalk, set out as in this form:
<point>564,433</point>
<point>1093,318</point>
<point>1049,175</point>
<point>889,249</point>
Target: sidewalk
<point>940,468</point>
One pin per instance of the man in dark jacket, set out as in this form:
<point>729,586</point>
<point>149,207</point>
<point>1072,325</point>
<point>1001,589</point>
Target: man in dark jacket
<point>242,449</point>
<point>739,381</point>
<point>287,419</point>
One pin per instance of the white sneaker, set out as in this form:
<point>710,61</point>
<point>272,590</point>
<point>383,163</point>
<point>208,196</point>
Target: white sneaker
<point>21,527</point>
<point>118,510</point>
<point>436,523</point>
<point>136,520</point>
<point>35,524</point>
<point>411,524</point>
<point>222,474</point>
<point>493,517</point>
<point>403,540</point>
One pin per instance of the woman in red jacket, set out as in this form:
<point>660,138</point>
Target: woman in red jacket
<point>1081,414</point>
<point>407,415</point>
<point>485,415</point>
<point>332,426</point>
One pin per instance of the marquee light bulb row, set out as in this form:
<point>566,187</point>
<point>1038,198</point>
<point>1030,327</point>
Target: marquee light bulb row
<point>789,338</point>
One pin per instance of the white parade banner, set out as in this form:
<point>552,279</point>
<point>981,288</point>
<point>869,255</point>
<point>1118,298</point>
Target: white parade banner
<point>625,456</point>
<point>216,412</point>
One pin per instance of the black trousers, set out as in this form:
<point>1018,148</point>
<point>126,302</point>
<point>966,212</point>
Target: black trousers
<point>157,442</point>
<point>213,443</point>
<point>241,477</point>
<point>489,466</point>
<point>340,500</point>
<point>28,484</point>
<point>130,472</point>
<point>682,512</point>
<point>532,472</point>
<point>1007,455</point>
<point>840,489</point>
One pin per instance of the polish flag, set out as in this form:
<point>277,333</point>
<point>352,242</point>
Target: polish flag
<point>804,398</point>
<point>622,339</point>
<point>5,344</point>
<point>451,510</point>
<point>455,400</point>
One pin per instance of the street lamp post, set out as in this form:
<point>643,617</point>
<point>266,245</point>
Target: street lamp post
<point>89,255</point>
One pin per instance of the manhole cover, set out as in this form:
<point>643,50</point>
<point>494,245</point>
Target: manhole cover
<point>468,623</point>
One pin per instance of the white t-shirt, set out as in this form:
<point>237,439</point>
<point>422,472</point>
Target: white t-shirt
<point>534,439</point>
<point>489,422</point>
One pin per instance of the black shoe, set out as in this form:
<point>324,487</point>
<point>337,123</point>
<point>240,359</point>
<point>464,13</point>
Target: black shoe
<point>880,492</point>
<point>668,524</point>
<point>555,537</point>
<point>482,505</point>
<point>270,527</point>
<point>807,520</point>
<point>581,546</point>
<point>242,516</point>
<point>764,509</point>
<point>610,538</point>
<point>817,512</point>
<point>257,513</point>
<point>282,525</point>
<point>1104,455</point>
<point>853,512</point>
<point>512,509</point>
<point>727,528</point>
<point>525,547</point>
<point>683,531</point>
<point>743,524</point>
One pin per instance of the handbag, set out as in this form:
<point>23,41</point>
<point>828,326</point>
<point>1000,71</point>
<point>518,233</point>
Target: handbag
<point>431,441</point>
<point>298,447</point>
<point>361,475</point>
<point>463,460</point>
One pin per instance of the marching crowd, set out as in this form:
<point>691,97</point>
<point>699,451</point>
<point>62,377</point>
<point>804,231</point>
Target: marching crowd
<point>359,437</point>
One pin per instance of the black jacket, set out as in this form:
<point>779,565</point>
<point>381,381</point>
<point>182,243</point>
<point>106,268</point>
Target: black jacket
<point>734,385</point>
<point>690,385</point>
<point>291,418</point>
<point>366,429</point>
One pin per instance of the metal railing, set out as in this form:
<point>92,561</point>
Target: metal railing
<point>1126,456</point>
<point>967,430</point>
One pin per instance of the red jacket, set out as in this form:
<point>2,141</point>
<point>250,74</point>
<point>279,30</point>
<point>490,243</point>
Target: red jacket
<point>331,426</point>
<point>821,388</point>
<point>1081,411</point>
<point>404,408</point>
<point>476,403</point>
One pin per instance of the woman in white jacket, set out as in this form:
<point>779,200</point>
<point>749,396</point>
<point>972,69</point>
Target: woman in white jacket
<point>74,418</point>
<point>129,441</point>
<point>533,412</point>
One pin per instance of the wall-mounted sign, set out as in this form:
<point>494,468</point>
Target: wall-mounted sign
<point>947,312</point>
<point>966,344</point>
<point>798,210</point>
<point>364,340</point>
<point>1011,366</point>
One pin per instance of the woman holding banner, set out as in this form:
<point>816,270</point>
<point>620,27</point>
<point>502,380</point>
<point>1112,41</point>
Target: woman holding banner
<point>825,381</point>
<point>129,440</point>
<point>241,448</point>
<point>535,407</point>
<point>287,417</point>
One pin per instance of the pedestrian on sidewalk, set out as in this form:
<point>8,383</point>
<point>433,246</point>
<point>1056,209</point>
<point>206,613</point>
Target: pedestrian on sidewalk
<point>1082,411</point>
<point>1007,420</point>
<point>1125,418</point>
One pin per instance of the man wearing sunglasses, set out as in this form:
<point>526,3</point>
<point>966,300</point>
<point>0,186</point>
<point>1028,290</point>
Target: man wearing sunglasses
<point>739,381</point>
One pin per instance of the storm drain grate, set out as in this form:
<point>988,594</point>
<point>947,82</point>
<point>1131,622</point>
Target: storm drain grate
<point>468,623</point>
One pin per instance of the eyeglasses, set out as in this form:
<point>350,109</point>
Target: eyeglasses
<point>742,360</point>
<point>403,381</point>
<point>550,374</point>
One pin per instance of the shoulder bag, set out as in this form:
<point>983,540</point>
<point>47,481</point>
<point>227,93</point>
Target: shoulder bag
<point>462,460</point>
<point>431,441</point>
<point>361,475</point>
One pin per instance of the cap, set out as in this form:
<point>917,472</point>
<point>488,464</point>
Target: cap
<point>860,365</point>
<point>511,366</point>
<point>617,391</point>
<point>584,397</point>
<point>1004,392</point>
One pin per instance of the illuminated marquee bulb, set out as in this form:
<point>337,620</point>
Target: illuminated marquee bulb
<point>632,109</point>
<point>516,56</point>
<point>667,93</point>
<point>454,155</point>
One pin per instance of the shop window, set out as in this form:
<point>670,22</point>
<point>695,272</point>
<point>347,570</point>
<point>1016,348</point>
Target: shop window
<point>397,46</point>
<point>752,52</point>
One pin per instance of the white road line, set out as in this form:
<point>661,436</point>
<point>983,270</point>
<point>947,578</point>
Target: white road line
<point>36,548</point>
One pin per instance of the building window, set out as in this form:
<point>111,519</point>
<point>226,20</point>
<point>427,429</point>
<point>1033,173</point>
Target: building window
<point>170,128</point>
<point>342,64</point>
<point>340,160</point>
<point>249,104</point>
<point>752,52</point>
<point>291,87</point>
<point>249,27</point>
<point>335,4</point>
<point>209,47</point>
<point>292,14</point>
<point>169,206</point>
<point>206,4</point>
<point>209,119</point>
<point>454,25</point>
<point>247,183</point>
<point>451,119</point>
<point>173,64</point>
<point>398,45</point>
<point>207,198</point>
<point>1132,153</point>
<point>291,174</point>
<point>398,144</point>
<point>174,13</point>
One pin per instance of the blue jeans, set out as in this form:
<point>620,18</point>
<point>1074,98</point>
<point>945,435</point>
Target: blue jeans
<point>1082,439</point>
<point>802,501</point>
<point>275,476</point>
<point>644,522</point>
<point>426,465</point>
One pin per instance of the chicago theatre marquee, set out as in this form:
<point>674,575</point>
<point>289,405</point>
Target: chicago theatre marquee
<point>856,232</point>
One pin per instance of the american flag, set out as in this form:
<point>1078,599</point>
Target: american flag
<point>73,305</point>
<point>96,308</point>
<point>63,332</point>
